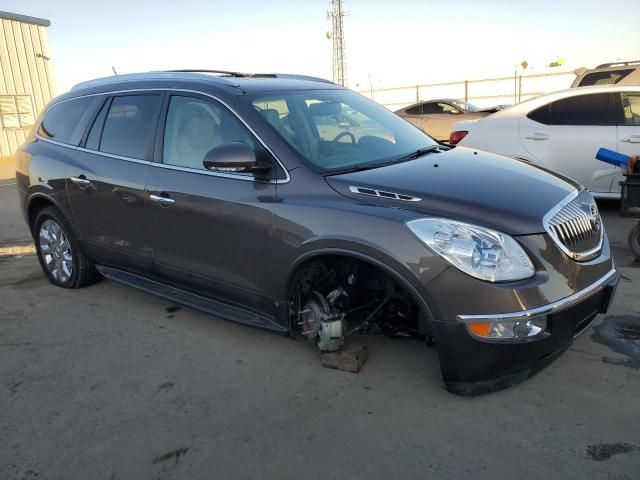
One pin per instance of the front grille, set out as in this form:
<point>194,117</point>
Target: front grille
<point>576,227</point>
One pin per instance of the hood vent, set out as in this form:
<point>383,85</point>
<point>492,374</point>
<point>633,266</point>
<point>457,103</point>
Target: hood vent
<point>382,194</point>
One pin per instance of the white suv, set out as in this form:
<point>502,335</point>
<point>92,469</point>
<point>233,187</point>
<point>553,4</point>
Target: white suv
<point>562,131</point>
<point>620,73</point>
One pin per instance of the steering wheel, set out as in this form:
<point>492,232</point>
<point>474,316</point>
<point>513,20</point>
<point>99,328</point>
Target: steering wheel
<point>339,136</point>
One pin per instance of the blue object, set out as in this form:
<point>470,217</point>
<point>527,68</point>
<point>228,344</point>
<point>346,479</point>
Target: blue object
<point>613,158</point>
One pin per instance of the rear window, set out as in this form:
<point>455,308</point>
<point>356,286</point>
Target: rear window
<point>594,109</point>
<point>604,78</point>
<point>61,122</point>
<point>129,126</point>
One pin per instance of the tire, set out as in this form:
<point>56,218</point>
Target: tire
<point>59,254</point>
<point>634,240</point>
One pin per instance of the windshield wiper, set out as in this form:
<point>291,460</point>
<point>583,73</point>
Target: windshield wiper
<point>403,158</point>
<point>360,168</point>
<point>419,153</point>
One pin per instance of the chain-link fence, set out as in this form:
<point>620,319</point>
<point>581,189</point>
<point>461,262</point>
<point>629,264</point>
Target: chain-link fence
<point>483,92</point>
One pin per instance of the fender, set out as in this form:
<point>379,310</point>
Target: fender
<point>50,199</point>
<point>401,278</point>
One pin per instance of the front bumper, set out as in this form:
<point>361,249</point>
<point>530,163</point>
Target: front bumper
<point>471,366</point>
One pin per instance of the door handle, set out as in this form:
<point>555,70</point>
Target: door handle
<point>537,136</point>
<point>81,181</point>
<point>163,201</point>
<point>631,139</point>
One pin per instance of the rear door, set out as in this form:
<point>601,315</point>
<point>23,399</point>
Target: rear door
<point>107,181</point>
<point>211,230</point>
<point>565,135</point>
<point>629,128</point>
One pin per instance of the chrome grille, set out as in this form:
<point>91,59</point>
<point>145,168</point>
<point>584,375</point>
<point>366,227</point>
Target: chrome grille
<point>576,226</point>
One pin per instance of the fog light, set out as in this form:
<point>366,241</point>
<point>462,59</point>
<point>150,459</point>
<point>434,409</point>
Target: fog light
<point>508,329</point>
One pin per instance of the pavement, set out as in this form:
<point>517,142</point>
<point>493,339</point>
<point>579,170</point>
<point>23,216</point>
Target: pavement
<point>112,383</point>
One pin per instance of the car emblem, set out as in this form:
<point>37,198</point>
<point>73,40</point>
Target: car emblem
<point>592,213</point>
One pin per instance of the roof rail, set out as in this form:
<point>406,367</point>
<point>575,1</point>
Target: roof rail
<point>254,75</point>
<point>619,64</point>
<point>225,73</point>
<point>223,76</point>
<point>137,76</point>
<point>293,76</point>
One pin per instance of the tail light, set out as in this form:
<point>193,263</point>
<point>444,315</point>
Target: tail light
<point>455,137</point>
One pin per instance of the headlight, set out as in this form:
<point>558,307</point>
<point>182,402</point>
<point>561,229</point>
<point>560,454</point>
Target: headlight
<point>478,251</point>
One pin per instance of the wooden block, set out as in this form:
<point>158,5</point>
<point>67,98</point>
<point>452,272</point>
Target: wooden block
<point>349,359</point>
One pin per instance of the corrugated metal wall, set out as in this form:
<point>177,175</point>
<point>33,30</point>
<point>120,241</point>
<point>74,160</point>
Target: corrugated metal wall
<point>24,70</point>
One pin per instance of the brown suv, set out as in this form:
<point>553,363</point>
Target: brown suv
<point>227,192</point>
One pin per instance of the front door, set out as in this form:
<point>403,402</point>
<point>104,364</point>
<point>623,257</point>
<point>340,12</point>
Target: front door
<point>211,230</point>
<point>107,181</point>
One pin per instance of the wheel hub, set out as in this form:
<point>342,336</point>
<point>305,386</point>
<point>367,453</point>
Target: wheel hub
<point>321,324</point>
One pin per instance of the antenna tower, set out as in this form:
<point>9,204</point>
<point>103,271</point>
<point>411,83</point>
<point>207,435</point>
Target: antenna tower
<point>336,14</point>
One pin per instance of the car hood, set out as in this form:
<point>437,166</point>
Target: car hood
<point>464,184</point>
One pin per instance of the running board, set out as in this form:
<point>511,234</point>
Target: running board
<point>207,305</point>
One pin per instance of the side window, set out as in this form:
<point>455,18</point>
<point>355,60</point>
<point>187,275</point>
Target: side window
<point>417,110</point>
<point>594,109</point>
<point>62,119</point>
<point>541,114</point>
<point>194,127</point>
<point>604,78</point>
<point>446,108</point>
<point>631,106</point>
<point>431,108</point>
<point>129,126</point>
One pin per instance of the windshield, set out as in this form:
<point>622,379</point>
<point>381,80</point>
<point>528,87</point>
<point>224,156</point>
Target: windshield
<point>339,129</point>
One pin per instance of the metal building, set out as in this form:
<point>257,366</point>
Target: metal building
<point>26,82</point>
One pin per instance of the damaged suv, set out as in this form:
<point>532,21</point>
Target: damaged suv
<point>293,204</point>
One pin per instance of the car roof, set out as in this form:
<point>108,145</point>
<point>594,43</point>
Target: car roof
<point>535,102</point>
<point>230,81</point>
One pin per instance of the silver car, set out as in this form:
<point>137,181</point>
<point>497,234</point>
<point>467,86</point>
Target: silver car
<point>436,117</point>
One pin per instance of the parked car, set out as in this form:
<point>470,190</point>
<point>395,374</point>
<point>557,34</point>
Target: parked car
<point>563,131</point>
<point>436,117</point>
<point>224,194</point>
<point>617,73</point>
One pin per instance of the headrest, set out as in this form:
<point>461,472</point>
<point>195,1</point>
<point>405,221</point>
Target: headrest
<point>199,129</point>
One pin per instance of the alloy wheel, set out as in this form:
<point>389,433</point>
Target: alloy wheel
<point>55,251</point>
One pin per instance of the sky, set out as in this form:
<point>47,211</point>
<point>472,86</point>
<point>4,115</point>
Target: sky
<point>388,43</point>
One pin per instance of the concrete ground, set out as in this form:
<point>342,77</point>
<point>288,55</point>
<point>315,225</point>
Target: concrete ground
<point>109,382</point>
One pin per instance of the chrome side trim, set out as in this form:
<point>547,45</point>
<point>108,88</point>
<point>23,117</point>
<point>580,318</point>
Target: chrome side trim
<point>545,309</point>
<point>183,90</point>
<point>233,176</point>
<point>373,192</point>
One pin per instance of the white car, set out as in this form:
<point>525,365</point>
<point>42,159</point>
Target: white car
<point>562,131</point>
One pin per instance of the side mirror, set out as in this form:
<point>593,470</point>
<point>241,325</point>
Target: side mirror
<point>454,112</point>
<point>235,157</point>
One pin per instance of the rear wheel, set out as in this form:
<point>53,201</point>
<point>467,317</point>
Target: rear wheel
<point>59,253</point>
<point>634,240</point>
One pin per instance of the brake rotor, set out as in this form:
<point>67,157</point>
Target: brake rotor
<point>315,310</point>
<point>320,324</point>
